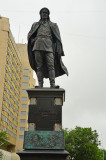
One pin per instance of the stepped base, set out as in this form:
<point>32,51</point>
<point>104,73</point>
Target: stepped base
<point>43,154</point>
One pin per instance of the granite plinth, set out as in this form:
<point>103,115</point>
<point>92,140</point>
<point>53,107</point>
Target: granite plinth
<point>43,154</point>
<point>46,92</point>
<point>45,115</point>
<point>45,109</point>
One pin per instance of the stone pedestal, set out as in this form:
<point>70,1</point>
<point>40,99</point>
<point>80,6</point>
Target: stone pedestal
<point>44,138</point>
<point>43,154</point>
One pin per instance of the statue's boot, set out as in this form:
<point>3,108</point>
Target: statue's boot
<point>52,79</point>
<point>40,79</point>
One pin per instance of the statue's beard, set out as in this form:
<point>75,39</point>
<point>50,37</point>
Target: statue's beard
<point>45,19</point>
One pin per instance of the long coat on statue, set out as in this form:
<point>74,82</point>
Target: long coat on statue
<point>60,69</point>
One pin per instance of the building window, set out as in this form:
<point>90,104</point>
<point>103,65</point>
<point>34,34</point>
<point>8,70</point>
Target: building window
<point>10,123</point>
<point>16,119</point>
<point>16,110</point>
<point>12,106</point>
<point>25,77</point>
<point>24,98</point>
<point>23,106</point>
<point>23,113</point>
<point>26,70</point>
<point>14,135</point>
<point>5,119</point>
<point>24,91</point>
<point>9,74</point>
<point>10,65</point>
<point>4,129</point>
<point>25,84</point>
<point>22,128</point>
<point>21,137</point>
<point>11,57</point>
<point>9,82</point>
<point>10,133</point>
<point>11,114</point>
<point>6,109</point>
<point>8,91</point>
<point>22,120</point>
<point>7,100</point>
<point>17,103</point>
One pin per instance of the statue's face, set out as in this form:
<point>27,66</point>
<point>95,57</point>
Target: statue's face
<point>44,14</point>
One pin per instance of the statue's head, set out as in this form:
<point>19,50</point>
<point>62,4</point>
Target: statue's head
<point>44,13</point>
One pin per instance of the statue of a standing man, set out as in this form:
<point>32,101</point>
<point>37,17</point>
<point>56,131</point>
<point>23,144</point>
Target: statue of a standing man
<point>45,49</point>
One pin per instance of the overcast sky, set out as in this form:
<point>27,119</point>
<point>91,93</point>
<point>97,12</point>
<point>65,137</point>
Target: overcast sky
<point>82,25</point>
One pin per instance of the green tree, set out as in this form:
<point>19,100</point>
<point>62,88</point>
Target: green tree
<point>3,139</point>
<point>82,144</point>
<point>104,154</point>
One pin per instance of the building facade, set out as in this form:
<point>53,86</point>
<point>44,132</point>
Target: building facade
<point>15,77</point>
<point>27,82</point>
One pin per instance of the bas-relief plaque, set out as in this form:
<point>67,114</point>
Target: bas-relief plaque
<point>44,140</point>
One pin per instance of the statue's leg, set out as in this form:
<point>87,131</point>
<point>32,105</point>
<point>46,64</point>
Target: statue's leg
<point>39,62</point>
<point>50,65</point>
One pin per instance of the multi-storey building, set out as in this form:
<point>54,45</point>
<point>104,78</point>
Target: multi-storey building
<point>15,77</point>
<point>10,83</point>
<point>27,82</point>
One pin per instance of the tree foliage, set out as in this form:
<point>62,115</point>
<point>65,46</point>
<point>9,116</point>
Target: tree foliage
<point>3,139</point>
<point>104,152</point>
<point>82,144</point>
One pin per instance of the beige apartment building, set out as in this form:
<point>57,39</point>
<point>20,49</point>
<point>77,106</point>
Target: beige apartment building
<point>27,82</point>
<point>15,77</point>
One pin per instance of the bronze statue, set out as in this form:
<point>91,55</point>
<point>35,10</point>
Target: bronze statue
<point>45,49</point>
